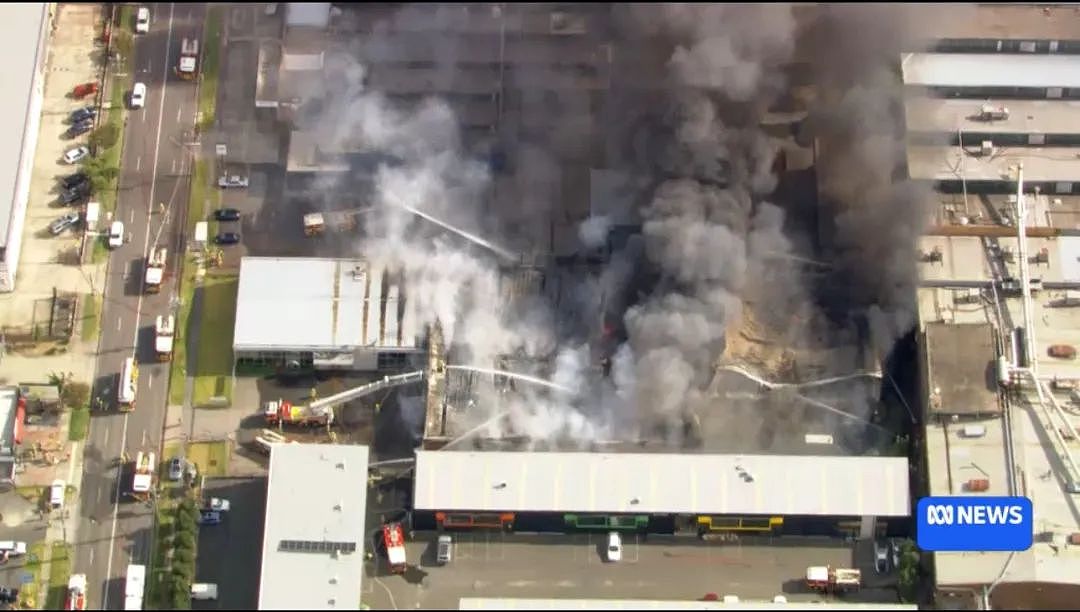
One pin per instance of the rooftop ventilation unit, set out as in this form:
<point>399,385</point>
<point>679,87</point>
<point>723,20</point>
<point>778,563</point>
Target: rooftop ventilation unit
<point>987,148</point>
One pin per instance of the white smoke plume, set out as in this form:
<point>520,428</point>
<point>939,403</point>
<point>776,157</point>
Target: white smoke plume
<point>711,238</point>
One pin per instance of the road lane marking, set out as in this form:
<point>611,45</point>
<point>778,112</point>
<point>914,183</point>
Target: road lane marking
<point>119,322</point>
<point>138,163</point>
<point>107,430</point>
<point>144,113</point>
<point>179,109</point>
<point>91,556</point>
<point>150,381</point>
<point>99,495</point>
<point>138,307</point>
<point>131,217</point>
<point>173,167</point>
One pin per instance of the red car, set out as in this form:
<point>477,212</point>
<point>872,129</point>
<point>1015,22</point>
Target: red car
<point>85,89</point>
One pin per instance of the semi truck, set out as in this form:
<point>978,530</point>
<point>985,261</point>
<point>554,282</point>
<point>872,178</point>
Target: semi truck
<point>164,332</point>
<point>394,541</point>
<point>827,579</point>
<point>134,587</point>
<point>188,66</point>
<point>155,269</point>
<point>76,592</point>
<point>281,412</point>
<point>142,475</point>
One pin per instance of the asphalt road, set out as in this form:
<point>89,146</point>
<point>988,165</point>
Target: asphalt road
<point>155,169</point>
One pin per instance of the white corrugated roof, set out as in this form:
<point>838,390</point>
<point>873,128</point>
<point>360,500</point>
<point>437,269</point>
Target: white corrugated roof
<point>297,303</point>
<point>315,493</point>
<point>945,163</point>
<point>990,70</point>
<point>308,14</point>
<point>628,483</point>
<point>22,28</point>
<point>946,116</point>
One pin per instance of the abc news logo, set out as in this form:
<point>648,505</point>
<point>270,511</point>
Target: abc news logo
<point>939,514</point>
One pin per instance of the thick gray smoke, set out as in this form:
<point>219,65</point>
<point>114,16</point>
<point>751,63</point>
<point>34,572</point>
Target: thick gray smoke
<point>686,122</point>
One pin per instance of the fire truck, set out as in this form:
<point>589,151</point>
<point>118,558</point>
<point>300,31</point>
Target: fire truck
<point>394,541</point>
<point>164,332</point>
<point>76,592</point>
<point>188,67</point>
<point>281,412</point>
<point>142,475</point>
<point>827,579</point>
<point>155,269</point>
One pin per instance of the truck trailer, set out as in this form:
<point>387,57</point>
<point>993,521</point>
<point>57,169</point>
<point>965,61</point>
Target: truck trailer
<point>318,223</point>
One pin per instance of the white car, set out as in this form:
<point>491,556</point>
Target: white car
<point>12,548</point>
<point>142,20</point>
<point>138,95</point>
<point>116,234</point>
<point>216,504</point>
<point>74,155</point>
<point>56,494</point>
<point>881,557</point>
<point>614,547</point>
<point>234,180</point>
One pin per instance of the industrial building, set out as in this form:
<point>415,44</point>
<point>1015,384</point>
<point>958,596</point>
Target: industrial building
<point>23,75</point>
<point>12,420</point>
<point>313,540</point>
<point>323,313</point>
<point>660,493</point>
<point>997,383</point>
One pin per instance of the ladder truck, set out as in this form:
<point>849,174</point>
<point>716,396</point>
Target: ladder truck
<point>188,67</point>
<point>142,475</point>
<point>394,541</point>
<point>164,333</point>
<point>155,269</point>
<point>827,579</point>
<point>321,411</point>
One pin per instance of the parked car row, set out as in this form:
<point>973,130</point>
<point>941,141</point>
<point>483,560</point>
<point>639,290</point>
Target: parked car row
<point>227,215</point>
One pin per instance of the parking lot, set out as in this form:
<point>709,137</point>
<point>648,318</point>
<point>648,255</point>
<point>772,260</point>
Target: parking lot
<point>230,553</point>
<point>571,566</point>
<point>14,573</point>
<point>48,261</point>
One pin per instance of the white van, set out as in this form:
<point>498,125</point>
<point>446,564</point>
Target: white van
<point>203,590</point>
<point>116,235</point>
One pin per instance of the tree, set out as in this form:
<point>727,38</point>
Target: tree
<point>908,579</point>
<point>179,592</point>
<point>183,556</point>
<point>60,379</point>
<point>75,394</point>
<point>184,540</point>
<point>122,42</point>
<point>100,173</point>
<point>105,136</point>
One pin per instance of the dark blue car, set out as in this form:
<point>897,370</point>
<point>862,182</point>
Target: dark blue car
<point>227,238</point>
<point>209,517</point>
<point>82,114</point>
<point>80,128</point>
<point>227,214</point>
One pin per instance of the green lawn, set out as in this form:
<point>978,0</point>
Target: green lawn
<point>211,60</point>
<point>211,457</point>
<point>90,317</point>
<point>121,81</point>
<point>59,572</point>
<point>80,424</point>
<point>214,359</point>
<point>100,250</point>
<point>179,367</point>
